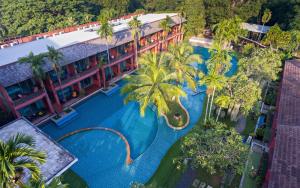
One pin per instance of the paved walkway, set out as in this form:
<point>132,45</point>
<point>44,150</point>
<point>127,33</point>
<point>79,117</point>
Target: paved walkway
<point>241,124</point>
<point>187,178</point>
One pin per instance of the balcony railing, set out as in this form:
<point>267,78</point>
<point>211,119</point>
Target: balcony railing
<point>26,98</point>
<point>77,76</point>
<point>119,59</point>
<point>148,46</point>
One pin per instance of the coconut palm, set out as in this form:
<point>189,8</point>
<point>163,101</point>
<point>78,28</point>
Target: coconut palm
<point>152,85</point>
<point>16,155</point>
<point>181,58</point>
<point>213,82</point>
<point>166,27</point>
<point>227,31</point>
<point>135,26</point>
<point>219,60</point>
<point>36,63</point>
<point>265,19</point>
<point>55,57</point>
<point>223,102</point>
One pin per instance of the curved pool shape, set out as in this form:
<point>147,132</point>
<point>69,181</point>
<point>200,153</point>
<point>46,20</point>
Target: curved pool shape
<point>98,152</point>
<point>101,154</point>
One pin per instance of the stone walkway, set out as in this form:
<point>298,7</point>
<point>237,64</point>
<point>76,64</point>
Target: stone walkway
<point>241,124</point>
<point>187,178</point>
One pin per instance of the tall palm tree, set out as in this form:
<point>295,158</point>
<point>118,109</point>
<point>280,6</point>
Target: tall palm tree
<point>55,57</point>
<point>223,102</point>
<point>265,19</point>
<point>181,58</point>
<point>36,62</point>
<point>135,26</point>
<point>213,82</point>
<point>166,27</point>
<point>219,60</point>
<point>152,85</point>
<point>16,155</point>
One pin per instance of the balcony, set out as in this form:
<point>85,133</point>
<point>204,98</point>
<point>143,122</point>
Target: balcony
<point>120,58</point>
<point>70,80</point>
<point>27,99</point>
<point>148,46</point>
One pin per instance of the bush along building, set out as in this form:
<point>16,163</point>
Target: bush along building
<point>85,67</point>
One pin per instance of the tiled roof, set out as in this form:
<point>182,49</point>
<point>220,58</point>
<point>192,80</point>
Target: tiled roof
<point>58,159</point>
<point>15,72</point>
<point>285,169</point>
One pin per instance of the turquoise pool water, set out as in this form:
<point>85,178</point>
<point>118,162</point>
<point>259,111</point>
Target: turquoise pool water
<point>101,154</point>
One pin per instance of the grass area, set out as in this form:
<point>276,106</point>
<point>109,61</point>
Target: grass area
<point>73,180</point>
<point>267,134</point>
<point>250,126</point>
<point>176,110</point>
<point>167,174</point>
<point>253,161</point>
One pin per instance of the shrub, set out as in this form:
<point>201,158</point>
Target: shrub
<point>262,170</point>
<point>260,133</point>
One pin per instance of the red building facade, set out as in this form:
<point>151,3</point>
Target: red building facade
<point>85,76</point>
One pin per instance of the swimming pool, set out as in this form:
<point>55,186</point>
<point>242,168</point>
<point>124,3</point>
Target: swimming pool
<point>102,154</point>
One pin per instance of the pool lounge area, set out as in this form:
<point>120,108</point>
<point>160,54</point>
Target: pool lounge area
<point>101,154</point>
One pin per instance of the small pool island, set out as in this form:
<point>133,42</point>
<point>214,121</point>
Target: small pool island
<point>177,117</point>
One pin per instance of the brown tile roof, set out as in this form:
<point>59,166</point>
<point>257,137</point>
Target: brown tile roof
<point>15,72</point>
<point>285,169</point>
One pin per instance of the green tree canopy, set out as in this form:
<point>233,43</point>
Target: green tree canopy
<point>276,38</point>
<point>153,84</point>
<point>216,149</point>
<point>16,155</point>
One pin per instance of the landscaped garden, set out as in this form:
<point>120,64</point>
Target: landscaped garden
<point>177,116</point>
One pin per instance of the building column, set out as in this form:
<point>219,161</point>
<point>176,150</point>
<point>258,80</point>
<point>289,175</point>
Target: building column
<point>10,103</point>
<point>103,77</point>
<point>98,80</point>
<point>119,69</point>
<point>132,63</point>
<point>49,104</point>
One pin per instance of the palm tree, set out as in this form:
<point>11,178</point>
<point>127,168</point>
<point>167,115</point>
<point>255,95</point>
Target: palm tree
<point>223,102</point>
<point>36,62</point>
<point>181,58</point>
<point>135,26</point>
<point>16,155</point>
<point>152,84</point>
<point>55,57</point>
<point>213,82</point>
<point>166,27</point>
<point>219,60</point>
<point>265,19</point>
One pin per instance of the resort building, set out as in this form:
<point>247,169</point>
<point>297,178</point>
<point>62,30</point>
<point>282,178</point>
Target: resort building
<point>58,159</point>
<point>86,66</point>
<point>284,154</point>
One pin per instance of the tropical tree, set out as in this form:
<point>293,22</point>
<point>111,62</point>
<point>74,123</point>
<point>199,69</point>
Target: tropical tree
<point>265,19</point>
<point>261,65</point>
<point>276,38</point>
<point>3,32</point>
<point>222,101</point>
<point>243,92</point>
<point>228,31</point>
<point>213,82</point>
<point>181,59</point>
<point>55,183</point>
<point>16,155</point>
<point>153,84</point>
<point>55,57</point>
<point>219,60</point>
<point>106,30</point>
<point>36,62</point>
<point>135,26</point>
<point>216,148</point>
<point>165,24</point>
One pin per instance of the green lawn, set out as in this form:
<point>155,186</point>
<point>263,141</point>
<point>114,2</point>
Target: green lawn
<point>212,180</point>
<point>174,109</point>
<point>250,125</point>
<point>73,180</point>
<point>253,161</point>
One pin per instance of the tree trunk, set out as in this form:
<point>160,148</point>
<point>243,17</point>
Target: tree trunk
<point>235,112</point>
<point>136,51</point>
<point>260,33</point>
<point>206,109</point>
<point>218,113</point>
<point>211,101</point>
